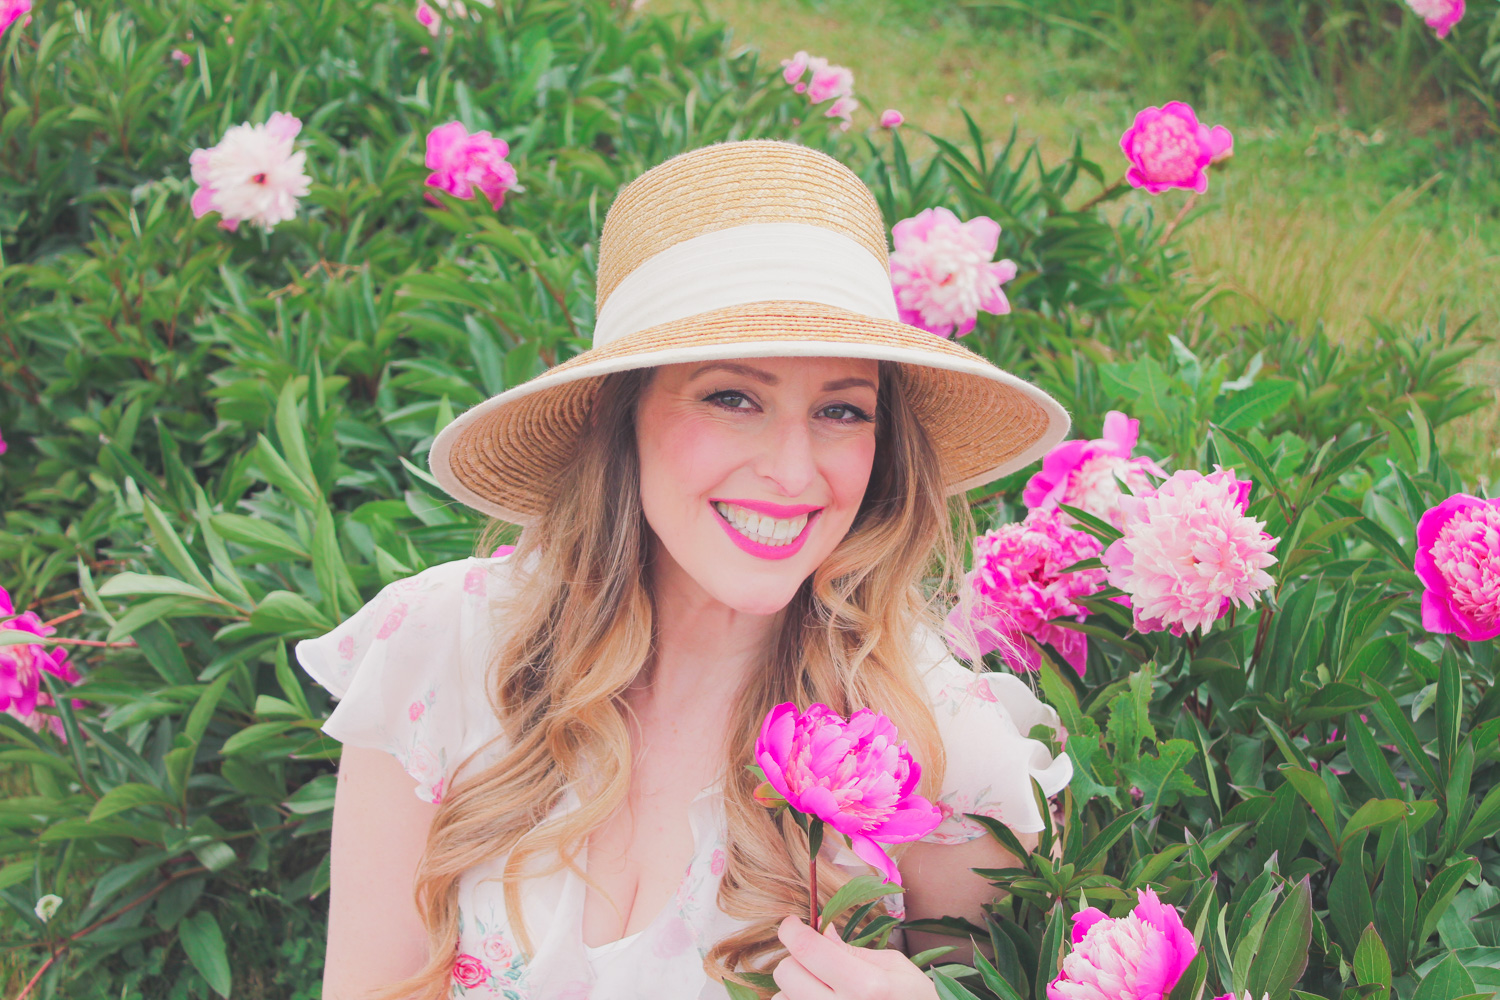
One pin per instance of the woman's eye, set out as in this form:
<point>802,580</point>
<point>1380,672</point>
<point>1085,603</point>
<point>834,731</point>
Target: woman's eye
<point>844,413</point>
<point>729,399</point>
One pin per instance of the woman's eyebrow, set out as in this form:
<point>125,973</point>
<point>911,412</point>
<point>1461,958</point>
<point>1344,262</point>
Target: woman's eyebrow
<point>761,375</point>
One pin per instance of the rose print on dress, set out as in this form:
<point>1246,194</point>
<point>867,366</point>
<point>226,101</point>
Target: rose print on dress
<point>497,948</point>
<point>673,938</point>
<point>469,971</point>
<point>392,622</point>
<point>474,580</point>
<point>716,862</point>
<point>346,648</point>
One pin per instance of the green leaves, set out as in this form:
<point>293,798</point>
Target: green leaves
<point>204,945</point>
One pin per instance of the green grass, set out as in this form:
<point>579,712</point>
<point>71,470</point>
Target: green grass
<point>1312,220</point>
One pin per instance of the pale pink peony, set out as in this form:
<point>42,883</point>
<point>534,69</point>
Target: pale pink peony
<point>1439,15</point>
<point>181,58</point>
<point>1086,473</point>
<point>1189,551</point>
<point>461,162</point>
<point>11,11</point>
<point>1458,561</point>
<point>470,972</point>
<point>890,118</point>
<point>794,68</point>
<point>828,81</point>
<point>1139,956</point>
<point>428,18</point>
<point>1168,147</point>
<point>844,109</point>
<point>1020,588</point>
<point>942,272</point>
<point>252,175</point>
<point>852,775</point>
<point>21,667</point>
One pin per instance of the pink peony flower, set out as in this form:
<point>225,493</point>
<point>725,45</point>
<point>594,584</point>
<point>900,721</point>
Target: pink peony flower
<point>794,68</point>
<point>428,18</point>
<point>470,972</point>
<point>828,81</point>
<point>1168,147</point>
<point>1139,956</point>
<point>11,11</point>
<point>852,775</point>
<point>3,445</point>
<point>461,162</point>
<point>1087,474</point>
<point>1189,551</point>
<point>1439,15</point>
<point>942,272</point>
<point>1458,561</point>
<point>502,551</point>
<point>890,118</point>
<point>21,666</point>
<point>1020,587</point>
<point>842,108</point>
<point>181,58</point>
<point>252,174</point>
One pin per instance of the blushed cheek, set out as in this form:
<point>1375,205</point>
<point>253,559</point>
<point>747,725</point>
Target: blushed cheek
<point>683,460</point>
<point>848,469</point>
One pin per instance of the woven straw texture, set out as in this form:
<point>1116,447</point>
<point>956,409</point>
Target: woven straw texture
<point>733,184</point>
<point>514,454</point>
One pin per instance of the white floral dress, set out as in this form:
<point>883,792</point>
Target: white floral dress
<point>408,669</point>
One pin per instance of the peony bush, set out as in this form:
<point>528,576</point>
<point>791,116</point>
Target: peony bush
<point>1258,592</point>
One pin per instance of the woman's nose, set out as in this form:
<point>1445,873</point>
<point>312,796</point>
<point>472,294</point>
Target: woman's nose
<point>786,456</point>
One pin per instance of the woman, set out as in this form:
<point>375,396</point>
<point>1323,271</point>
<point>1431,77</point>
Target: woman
<point>730,502</point>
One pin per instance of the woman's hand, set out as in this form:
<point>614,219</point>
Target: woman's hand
<point>824,967</point>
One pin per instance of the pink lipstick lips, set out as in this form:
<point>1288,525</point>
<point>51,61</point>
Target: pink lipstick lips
<point>772,510</point>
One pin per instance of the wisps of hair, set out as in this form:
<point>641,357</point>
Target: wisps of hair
<point>578,629</point>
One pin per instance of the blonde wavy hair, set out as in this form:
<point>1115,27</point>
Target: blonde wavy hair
<point>578,631</point>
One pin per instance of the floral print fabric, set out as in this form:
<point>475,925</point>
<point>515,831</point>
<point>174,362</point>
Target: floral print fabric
<point>409,671</point>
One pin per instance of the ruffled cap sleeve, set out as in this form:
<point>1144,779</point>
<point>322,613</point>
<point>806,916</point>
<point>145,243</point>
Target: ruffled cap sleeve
<point>409,670</point>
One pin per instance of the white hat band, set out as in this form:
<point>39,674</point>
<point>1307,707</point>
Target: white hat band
<point>757,262</point>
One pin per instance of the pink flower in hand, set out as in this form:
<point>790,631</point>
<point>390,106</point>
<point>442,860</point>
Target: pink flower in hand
<point>461,162</point>
<point>1458,561</point>
<point>11,11</point>
<point>1439,15</point>
<point>1020,589</point>
<point>1138,956</point>
<point>253,174</point>
<point>1168,147</point>
<point>890,118</point>
<point>1086,473</point>
<point>470,972</point>
<point>852,775</point>
<point>1189,552</point>
<point>942,272</point>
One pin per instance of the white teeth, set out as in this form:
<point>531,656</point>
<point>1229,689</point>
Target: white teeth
<point>760,527</point>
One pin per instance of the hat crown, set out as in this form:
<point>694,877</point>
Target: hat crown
<point>728,184</point>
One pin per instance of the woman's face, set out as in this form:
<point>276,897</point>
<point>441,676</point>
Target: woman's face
<point>752,470</point>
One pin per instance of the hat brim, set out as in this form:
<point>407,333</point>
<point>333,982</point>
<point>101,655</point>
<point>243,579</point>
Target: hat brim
<point>504,456</point>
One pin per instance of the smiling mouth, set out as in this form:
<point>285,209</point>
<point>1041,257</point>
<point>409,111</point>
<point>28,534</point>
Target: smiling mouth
<point>762,528</point>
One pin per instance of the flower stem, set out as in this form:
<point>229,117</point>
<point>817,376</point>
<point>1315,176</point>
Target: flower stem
<point>814,845</point>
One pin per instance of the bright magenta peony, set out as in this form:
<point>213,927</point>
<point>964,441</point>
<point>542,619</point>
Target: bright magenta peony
<point>852,775</point>
<point>252,175</point>
<point>428,18</point>
<point>1458,561</point>
<point>1439,15</point>
<point>942,271</point>
<point>11,11</point>
<point>1020,589</point>
<point>1139,956</point>
<point>21,689</point>
<point>1189,552</point>
<point>1087,474</point>
<point>1169,148</point>
<point>461,162</point>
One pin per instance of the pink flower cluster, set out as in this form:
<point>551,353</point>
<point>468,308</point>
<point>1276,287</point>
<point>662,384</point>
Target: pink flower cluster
<point>1139,956</point>
<point>1087,474</point>
<point>852,775</point>
<point>11,11</point>
<point>1169,148</point>
<point>21,666</point>
<point>942,272</point>
<point>1020,588</point>
<point>1189,551</point>
<point>1458,561</point>
<point>461,162</point>
<point>1439,15</point>
<point>827,82</point>
<point>252,175</point>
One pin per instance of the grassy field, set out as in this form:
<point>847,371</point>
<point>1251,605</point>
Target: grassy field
<point>1311,220</point>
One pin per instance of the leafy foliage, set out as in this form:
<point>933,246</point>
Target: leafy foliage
<point>217,446</point>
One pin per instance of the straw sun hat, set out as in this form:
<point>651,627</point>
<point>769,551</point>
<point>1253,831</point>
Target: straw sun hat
<point>756,248</point>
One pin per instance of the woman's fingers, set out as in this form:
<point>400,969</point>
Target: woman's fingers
<point>796,983</point>
<point>829,961</point>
